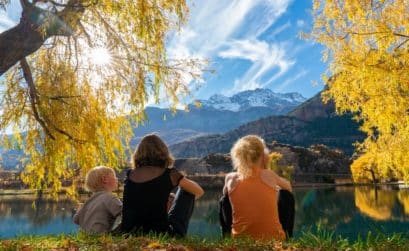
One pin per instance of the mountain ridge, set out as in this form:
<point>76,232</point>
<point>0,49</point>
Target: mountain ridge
<point>197,122</point>
<point>311,123</point>
<point>254,98</point>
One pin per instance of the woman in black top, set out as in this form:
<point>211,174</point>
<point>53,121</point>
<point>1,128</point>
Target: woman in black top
<point>147,189</point>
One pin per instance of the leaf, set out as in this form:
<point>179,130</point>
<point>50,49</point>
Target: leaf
<point>154,245</point>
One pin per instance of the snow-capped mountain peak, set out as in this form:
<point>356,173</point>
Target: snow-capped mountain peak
<point>218,98</point>
<point>254,98</point>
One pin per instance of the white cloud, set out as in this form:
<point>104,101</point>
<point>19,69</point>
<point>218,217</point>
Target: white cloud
<point>300,23</point>
<point>280,29</point>
<point>266,14</point>
<point>251,50</point>
<point>265,57</point>
<point>290,80</point>
<point>231,29</point>
<point>10,17</point>
<point>5,22</point>
<point>213,22</point>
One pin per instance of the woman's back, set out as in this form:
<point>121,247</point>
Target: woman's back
<point>255,210</point>
<point>146,193</point>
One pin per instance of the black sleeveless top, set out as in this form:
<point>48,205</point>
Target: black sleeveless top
<point>145,203</point>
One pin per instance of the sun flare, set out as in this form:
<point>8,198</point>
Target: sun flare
<point>100,56</point>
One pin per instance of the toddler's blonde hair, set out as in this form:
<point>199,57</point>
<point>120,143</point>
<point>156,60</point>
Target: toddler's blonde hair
<point>246,152</point>
<point>93,179</point>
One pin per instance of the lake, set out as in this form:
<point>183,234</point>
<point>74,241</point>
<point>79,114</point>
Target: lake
<point>348,211</point>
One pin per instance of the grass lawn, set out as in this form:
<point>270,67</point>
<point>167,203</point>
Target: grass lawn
<point>308,241</point>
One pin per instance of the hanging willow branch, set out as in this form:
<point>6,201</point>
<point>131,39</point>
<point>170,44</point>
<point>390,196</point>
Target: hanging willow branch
<point>33,95</point>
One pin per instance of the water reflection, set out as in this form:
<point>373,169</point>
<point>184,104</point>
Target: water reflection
<point>349,211</point>
<point>375,203</point>
<point>23,214</point>
<point>353,211</point>
<point>324,207</point>
<point>205,218</point>
<point>403,197</point>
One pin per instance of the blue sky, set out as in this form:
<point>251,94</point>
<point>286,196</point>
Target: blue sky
<point>250,44</point>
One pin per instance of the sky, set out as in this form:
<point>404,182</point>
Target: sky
<point>249,44</point>
<point>252,44</point>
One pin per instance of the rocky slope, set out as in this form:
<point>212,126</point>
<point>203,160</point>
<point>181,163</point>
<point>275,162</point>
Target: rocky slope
<point>311,123</point>
<point>317,163</point>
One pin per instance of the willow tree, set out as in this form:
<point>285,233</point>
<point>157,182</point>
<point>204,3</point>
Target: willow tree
<point>76,70</point>
<point>368,52</point>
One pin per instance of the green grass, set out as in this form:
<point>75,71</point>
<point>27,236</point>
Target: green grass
<point>321,240</point>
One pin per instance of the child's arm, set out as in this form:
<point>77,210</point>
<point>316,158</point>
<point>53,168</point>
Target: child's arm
<point>76,217</point>
<point>114,206</point>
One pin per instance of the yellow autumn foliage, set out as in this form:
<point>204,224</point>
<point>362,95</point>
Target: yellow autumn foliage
<point>78,112</point>
<point>363,170</point>
<point>285,171</point>
<point>366,45</point>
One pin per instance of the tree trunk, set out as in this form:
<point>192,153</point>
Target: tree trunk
<point>26,38</point>
<point>17,43</point>
<point>374,180</point>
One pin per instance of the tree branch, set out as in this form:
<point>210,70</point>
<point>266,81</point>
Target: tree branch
<point>71,5</point>
<point>63,132</point>
<point>34,100</point>
<point>33,95</point>
<point>401,44</point>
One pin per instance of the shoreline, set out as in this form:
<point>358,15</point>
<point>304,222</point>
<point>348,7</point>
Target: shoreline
<point>215,185</point>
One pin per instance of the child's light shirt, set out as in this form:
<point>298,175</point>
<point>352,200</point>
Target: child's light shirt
<point>99,212</point>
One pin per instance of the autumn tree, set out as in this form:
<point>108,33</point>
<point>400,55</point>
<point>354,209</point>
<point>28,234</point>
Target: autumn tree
<point>368,53</point>
<point>76,70</point>
<point>274,159</point>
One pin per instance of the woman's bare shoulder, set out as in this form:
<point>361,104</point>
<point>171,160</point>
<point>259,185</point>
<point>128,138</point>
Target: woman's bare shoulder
<point>267,172</point>
<point>231,181</point>
<point>268,176</point>
<point>272,179</point>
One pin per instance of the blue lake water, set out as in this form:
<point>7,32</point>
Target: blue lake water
<point>347,211</point>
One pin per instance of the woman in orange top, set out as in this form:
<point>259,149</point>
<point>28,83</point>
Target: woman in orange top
<point>254,193</point>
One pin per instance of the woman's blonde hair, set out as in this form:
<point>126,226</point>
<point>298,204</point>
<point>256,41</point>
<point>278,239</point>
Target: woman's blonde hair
<point>246,152</point>
<point>93,179</point>
<point>152,151</point>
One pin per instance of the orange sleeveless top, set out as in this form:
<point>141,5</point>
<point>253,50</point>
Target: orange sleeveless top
<point>255,210</point>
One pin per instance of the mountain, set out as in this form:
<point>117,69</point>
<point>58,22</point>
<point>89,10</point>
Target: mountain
<point>9,159</point>
<point>310,123</point>
<point>281,103</point>
<point>218,114</point>
<point>213,117</point>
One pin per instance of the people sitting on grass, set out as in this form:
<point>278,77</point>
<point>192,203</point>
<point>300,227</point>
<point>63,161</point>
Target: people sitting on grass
<point>148,187</point>
<point>256,202</point>
<point>99,212</point>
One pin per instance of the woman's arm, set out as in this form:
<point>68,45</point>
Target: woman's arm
<point>282,183</point>
<point>273,180</point>
<point>191,187</point>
